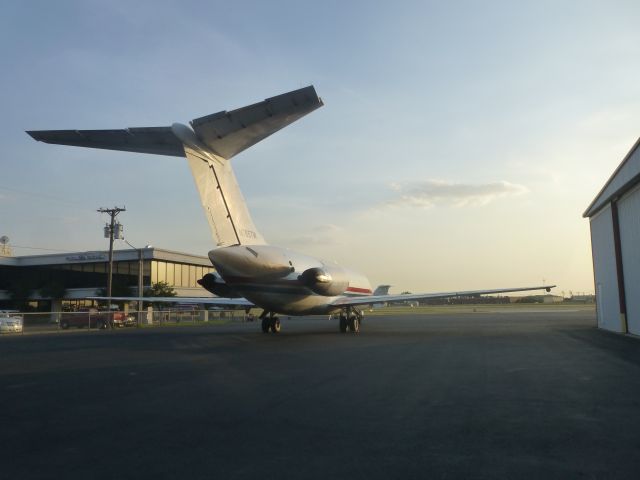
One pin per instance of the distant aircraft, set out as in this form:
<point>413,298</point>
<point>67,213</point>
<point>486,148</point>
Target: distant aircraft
<point>249,272</point>
<point>382,290</point>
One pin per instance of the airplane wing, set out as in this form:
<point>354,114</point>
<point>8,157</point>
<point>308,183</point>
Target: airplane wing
<point>225,133</point>
<point>214,301</point>
<point>368,300</point>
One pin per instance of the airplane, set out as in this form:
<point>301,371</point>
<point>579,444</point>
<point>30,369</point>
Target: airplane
<point>249,271</point>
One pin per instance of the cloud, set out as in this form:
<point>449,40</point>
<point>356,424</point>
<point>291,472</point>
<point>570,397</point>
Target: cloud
<point>430,193</point>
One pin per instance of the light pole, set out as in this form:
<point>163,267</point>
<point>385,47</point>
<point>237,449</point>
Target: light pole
<point>140,279</point>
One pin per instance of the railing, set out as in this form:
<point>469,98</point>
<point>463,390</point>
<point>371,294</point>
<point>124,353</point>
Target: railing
<point>16,323</point>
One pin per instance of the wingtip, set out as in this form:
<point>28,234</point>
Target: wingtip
<point>33,134</point>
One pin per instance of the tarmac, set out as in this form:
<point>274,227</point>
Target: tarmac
<point>479,395</point>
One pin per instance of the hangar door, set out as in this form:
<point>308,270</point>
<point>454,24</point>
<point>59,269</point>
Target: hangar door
<point>604,269</point>
<point>629,218</point>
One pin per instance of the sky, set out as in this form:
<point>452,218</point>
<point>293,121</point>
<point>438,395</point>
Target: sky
<point>459,144</point>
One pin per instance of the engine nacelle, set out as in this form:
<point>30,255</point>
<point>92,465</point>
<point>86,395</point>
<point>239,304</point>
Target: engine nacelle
<point>326,281</point>
<point>214,284</point>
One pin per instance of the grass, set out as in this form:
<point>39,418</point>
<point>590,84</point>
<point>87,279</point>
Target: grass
<point>481,308</point>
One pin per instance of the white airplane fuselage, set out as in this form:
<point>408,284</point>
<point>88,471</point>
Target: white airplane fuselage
<point>281,281</point>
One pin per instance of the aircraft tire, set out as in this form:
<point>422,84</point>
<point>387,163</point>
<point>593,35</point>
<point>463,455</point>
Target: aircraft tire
<point>275,325</point>
<point>354,324</point>
<point>266,325</point>
<point>343,324</point>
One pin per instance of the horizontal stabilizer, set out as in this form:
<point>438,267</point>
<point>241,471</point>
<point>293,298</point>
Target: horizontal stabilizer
<point>156,140</point>
<point>229,133</point>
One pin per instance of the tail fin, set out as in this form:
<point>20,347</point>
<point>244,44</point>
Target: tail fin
<point>221,198</point>
<point>208,147</point>
<point>217,138</point>
<point>382,290</point>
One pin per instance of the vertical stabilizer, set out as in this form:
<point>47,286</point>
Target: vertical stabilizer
<point>209,145</point>
<point>223,203</point>
<point>382,290</point>
<point>213,140</point>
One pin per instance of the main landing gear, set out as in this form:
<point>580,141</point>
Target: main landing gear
<point>270,323</point>
<point>350,320</point>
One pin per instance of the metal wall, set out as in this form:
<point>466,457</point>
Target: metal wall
<point>604,269</point>
<point>629,218</point>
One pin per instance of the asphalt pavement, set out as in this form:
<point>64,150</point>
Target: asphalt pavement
<point>515,394</point>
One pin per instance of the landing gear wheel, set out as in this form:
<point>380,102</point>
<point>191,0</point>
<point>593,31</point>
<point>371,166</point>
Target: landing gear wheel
<point>275,325</point>
<point>266,324</point>
<point>343,324</point>
<point>354,324</point>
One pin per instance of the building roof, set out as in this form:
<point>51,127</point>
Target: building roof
<point>625,177</point>
<point>150,253</point>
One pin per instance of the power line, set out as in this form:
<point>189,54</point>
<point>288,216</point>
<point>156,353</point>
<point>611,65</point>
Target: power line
<point>39,248</point>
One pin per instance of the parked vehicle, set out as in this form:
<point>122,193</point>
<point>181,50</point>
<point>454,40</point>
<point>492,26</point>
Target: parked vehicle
<point>10,321</point>
<point>119,318</point>
<point>93,318</point>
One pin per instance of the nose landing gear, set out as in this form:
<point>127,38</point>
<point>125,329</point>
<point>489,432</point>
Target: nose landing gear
<point>350,320</point>
<point>270,323</point>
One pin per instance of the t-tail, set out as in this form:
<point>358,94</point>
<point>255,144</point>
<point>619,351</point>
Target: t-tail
<point>382,290</point>
<point>208,144</point>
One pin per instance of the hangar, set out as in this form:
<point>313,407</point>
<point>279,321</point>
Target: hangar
<point>614,218</point>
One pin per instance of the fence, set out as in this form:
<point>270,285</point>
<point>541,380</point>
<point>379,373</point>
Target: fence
<point>15,323</point>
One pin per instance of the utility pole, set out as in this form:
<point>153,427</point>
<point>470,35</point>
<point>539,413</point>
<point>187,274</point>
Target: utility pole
<point>110,230</point>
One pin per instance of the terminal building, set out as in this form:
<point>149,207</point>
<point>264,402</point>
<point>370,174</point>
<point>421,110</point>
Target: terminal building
<point>614,218</point>
<point>65,280</point>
